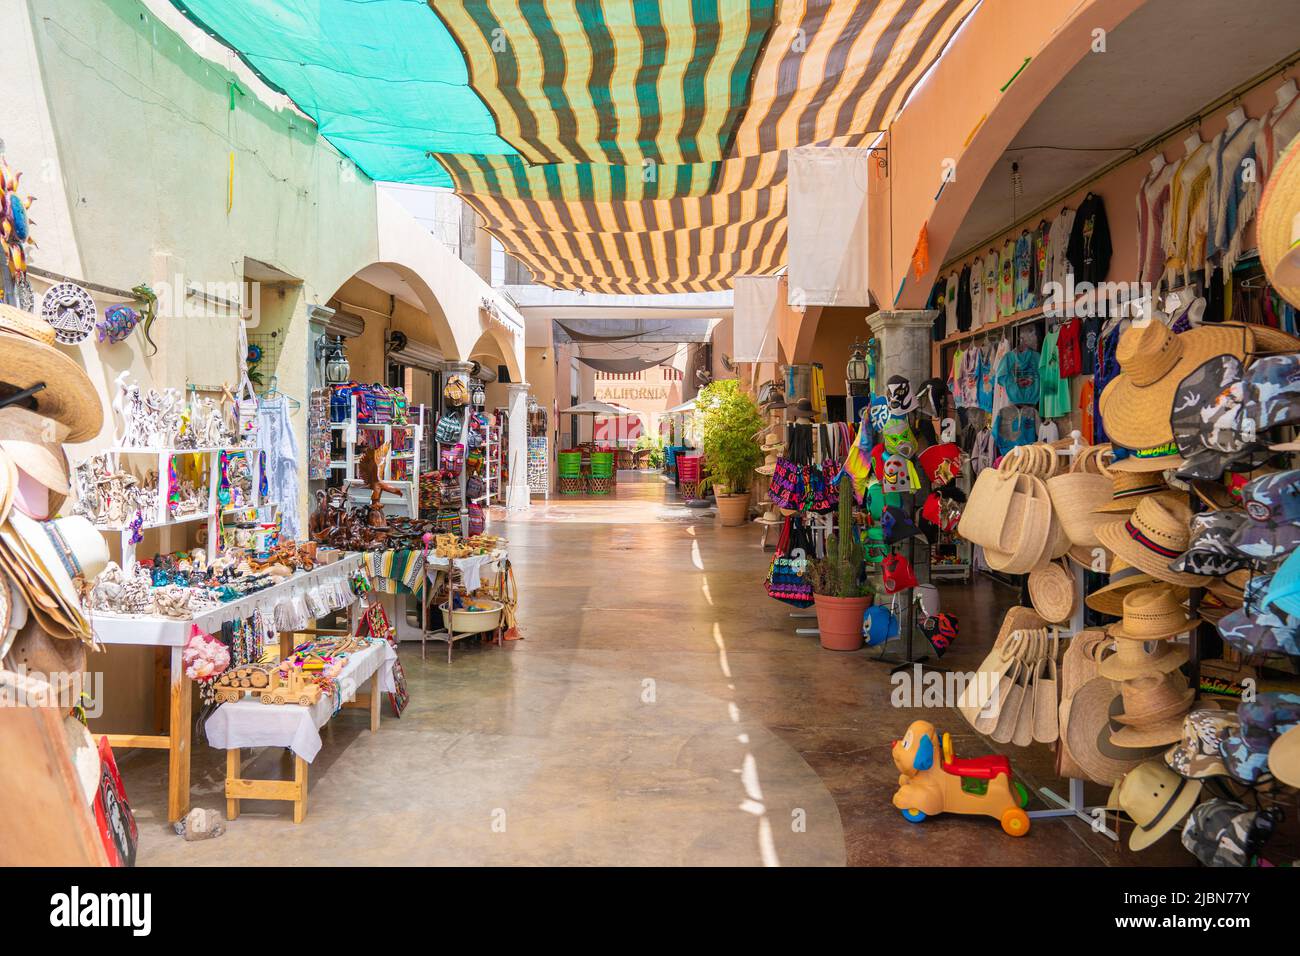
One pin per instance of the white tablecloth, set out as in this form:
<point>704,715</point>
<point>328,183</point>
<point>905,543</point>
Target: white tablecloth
<point>250,723</point>
<point>471,568</point>
<point>168,632</point>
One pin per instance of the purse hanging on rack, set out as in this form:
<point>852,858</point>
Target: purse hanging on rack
<point>787,578</point>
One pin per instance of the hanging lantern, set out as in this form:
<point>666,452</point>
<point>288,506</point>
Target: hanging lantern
<point>336,368</point>
<point>858,373</point>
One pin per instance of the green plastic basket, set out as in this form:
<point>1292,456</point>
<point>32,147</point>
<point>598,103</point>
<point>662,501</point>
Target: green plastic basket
<point>602,464</point>
<point>569,464</point>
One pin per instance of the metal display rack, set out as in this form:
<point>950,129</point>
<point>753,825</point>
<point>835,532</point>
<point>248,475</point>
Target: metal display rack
<point>352,429</point>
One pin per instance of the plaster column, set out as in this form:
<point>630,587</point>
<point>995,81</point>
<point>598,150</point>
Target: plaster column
<point>905,340</point>
<point>517,495</point>
<point>462,369</point>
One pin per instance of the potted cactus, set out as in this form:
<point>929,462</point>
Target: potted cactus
<point>729,420</point>
<point>840,590</point>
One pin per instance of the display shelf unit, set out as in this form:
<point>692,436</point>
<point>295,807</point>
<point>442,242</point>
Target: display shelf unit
<point>351,431</point>
<point>162,520</point>
<point>491,467</point>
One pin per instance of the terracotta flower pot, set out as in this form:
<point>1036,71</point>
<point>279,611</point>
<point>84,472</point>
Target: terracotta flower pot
<point>732,509</point>
<point>839,621</point>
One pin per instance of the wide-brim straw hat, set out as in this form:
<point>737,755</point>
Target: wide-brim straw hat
<point>8,484</point>
<point>1153,700</point>
<point>1096,558</point>
<point>1152,537</point>
<point>36,650</point>
<point>1075,497</point>
<point>1051,591</point>
<point>1155,798</point>
<point>1088,733</point>
<point>1277,231</point>
<point>1128,488</point>
<point>1132,660</point>
<point>1110,599</point>
<point>1154,613</point>
<point>1141,464</point>
<point>1153,362</point>
<point>35,443</point>
<point>29,357</point>
<point>1284,758</point>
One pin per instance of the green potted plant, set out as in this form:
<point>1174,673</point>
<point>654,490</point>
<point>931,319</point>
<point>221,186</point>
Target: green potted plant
<point>840,591</point>
<point>729,420</point>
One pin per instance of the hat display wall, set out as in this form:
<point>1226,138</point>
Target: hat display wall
<point>1153,362</point>
<point>1152,537</point>
<point>1277,227</point>
<point>1156,799</point>
<point>28,357</point>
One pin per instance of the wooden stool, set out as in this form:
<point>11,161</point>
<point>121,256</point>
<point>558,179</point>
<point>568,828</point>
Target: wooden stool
<point>569,486</point>
<point>691,490</point>
<point>600,486</point>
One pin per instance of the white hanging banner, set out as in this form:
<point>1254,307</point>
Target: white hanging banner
<point>757,302</point>
<point>826,210</point>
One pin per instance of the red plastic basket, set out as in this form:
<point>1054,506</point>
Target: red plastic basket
<point>688,467</point>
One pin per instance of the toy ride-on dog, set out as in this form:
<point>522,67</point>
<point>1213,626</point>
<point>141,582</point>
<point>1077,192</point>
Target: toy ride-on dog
<point>933,781</point>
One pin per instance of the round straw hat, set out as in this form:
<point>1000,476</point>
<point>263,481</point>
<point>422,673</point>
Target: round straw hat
<point>1088,733</point>
<point>1276,229</point>
<point>1153,613</point>
<point>1154,535</point>
<point>1110,599</point>
<point>1152,700</point>
<point>1132,659</point>
<point>1096,558</point>
<point>35,443</point>
<point>1153,362</point>
<point>1051,590</point>
<point>1075,497</point>
<point>1128,488</point>
<point>1284,758</point>
<point>28,357</point>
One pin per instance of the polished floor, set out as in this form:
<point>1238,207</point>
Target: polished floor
<point>661,710</point>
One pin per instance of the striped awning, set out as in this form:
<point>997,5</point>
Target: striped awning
<point>623,146</point>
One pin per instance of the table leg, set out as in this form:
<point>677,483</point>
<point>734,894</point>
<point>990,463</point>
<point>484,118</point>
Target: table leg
<point>374,703</point>
<point>300,789</point>
<point>232,773</point>
<point>178,757</point>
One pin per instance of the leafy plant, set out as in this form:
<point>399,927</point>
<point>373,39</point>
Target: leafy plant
<point>729,421</point>
<point>656,445</point>
<point>839,574</point>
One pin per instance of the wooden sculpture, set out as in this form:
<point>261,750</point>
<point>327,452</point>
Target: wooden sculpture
<point>371,468</point>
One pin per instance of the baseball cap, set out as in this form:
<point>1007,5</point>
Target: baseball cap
<point>1273,504</point>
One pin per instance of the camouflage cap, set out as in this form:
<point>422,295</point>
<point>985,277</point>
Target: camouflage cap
<point>1219,832</point>
<point>1200,754</point>
<point>1210,551</point>
<point>1206,419</point>
<point>1273,391</point>
<point>1263,720</point>
<point>1273,503</point>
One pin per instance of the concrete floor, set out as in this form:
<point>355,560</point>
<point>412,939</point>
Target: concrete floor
<point>660,711</point>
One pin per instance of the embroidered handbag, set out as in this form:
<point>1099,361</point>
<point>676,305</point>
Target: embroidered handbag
<point>452,459</point>
<point>455,391</point>
<point>787,578</point>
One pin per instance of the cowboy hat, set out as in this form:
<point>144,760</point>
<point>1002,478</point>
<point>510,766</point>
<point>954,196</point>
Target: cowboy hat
<point>36,651</point>
<point>1155,798</point>
<point>1110,599</point>
<point>1131,659</point>
<point>1153,700</point>
<point>1152,613</point>
<point>28,357</point>
<point>1129,488</point>
<point>1278,225</point>
<point>1154,535</point>
<point>1153,362</point>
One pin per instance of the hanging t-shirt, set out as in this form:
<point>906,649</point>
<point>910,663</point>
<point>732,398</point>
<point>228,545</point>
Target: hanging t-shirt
<point>1090,344</point>
<point>963,300</point>
<point>935,304</point>
<point>1089,249</point>
<point>1069,357</point>
<point>1041,235</point>
<point>970,379</point>
<point>1007,280</point>
<point>1107,369</point>
<point>950,305</point>
<point>1000,399</point>
<point>992,305</point>
<point>954,375</point>
<point>1053,390</point>
<point>1018,374</point>
<point>1024,272</point>
<point>1086,395</point>
<point>984,392</point>
<point>1015,426</point>
<point>976,285</point>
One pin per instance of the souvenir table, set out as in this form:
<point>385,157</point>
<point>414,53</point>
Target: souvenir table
<point>152,631</point>
<point>465,576</point>
<point>471,571</point>
<point>250,723</point>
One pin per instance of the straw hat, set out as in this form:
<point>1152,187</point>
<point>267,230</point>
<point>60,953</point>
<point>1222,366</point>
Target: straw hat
<point>1153,613</point>
<point>1110,599</point>
<point>35,443</point>
<point>1051,590</point>
<point>1150,459</point>
<point>1153,362</point>
<point>1156,799</point>
<point>1096,559</point>
<point>28,357</point>
<point>1128,488</point>
<point>1153,700</point>
<point>1088,733</point>
<point>8,484</point>
<point>37,650</point>
<point>1277,227</point>
<point>48,556</point>
<point>1284,758</point>
<point>1150,538</point>
<point>1131,659</point>
<point>1075,498</point>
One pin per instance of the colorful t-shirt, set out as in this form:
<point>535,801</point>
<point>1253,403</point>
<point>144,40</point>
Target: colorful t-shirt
<point>1024,290</point>
<point>1018,374</point>
<point>950,305</point>
<point>992,306</point>
<point>1070,358</point>
<point>1007,280</point>
<point>1053,390</point>
<point>984,393</point>
<point>977,293</point>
